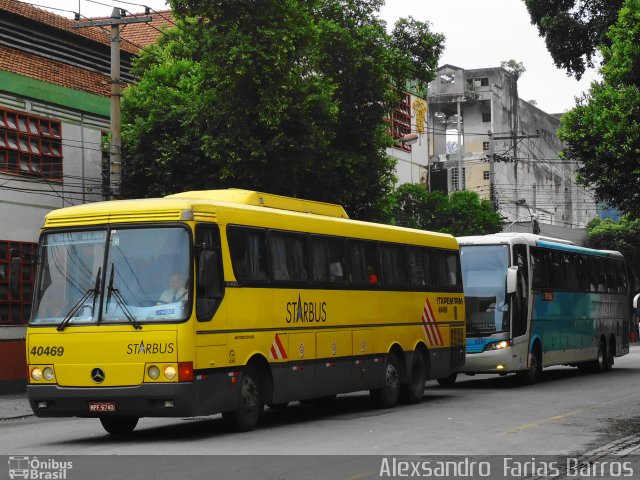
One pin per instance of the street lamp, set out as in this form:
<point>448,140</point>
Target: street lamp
<point>533,217</point>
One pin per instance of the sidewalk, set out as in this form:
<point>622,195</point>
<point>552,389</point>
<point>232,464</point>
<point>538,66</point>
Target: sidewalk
<point>14,406</point>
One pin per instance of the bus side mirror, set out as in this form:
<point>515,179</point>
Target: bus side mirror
<point>635,300</point>
<point>512,279</point>
<point>208,275</point>
<point>14,276</point>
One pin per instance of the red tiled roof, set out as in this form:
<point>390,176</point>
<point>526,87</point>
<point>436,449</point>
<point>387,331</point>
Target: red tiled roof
<point>61,23</point>
<point>50,71</point>
<point>134,36</point>
<point>144,34</point>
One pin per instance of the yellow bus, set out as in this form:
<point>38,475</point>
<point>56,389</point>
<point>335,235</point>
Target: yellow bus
<point>223,301</point>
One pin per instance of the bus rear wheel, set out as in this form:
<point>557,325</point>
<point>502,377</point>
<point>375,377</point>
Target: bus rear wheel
<point>599,365</point>
<point>610,357</point>
<point>119,425</point>
<point>250,403</point>
<point>387,396</point>
<point>413,391</point>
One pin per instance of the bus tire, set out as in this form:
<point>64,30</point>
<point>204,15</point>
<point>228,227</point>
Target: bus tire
<point>599,365</point>
<point>534,372</point>
<point>413,391</point>
<point>119,425</point>
<point>250,403</point>
<point>388,394</point>
<point>447,381</point>
<point>610,357</point>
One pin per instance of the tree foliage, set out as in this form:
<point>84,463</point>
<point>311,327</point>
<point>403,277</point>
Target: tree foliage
<point>574,29</point>
<point>283,97</point>
<point>461,213</point>
<point>603,130</point>
<point>623,236</point>
<point>514,67</point>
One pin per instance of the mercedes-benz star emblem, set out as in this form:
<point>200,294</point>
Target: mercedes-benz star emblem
<point>97,374</point>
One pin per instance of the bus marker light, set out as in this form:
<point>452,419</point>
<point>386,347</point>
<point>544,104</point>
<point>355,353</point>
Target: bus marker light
<point>154,372</point>
<point>169,372</point>
<point>233,377</point>
<point>42,404</point>
<point>47,373</point>
<point>168,404</point>
<point>330,364</point>
<point>36,374</point>
<point>185,372</point>
<point>499,367</point>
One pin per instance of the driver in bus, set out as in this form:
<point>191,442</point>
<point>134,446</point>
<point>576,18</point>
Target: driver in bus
<point>176,291</point>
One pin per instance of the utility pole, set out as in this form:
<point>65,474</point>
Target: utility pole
<point>115,149</point>
<point>515,139</point>
<point>460,140</point>
<point>492,193</point>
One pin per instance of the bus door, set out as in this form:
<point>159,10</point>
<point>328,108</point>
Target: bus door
<point>210,346</point>
<point>520,308</point>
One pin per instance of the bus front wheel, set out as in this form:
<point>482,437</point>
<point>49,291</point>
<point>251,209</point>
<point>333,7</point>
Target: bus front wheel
<point>250,403</point>
<point>387,395</point>
<point>533,373</point>
<point>119,425</point>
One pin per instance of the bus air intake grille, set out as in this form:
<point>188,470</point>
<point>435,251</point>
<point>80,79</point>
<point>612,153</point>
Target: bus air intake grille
<point>457,347</point>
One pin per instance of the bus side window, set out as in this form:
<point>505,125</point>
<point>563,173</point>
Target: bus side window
<point>540,268</point>
<point>363,264</point>
<point>209,296</point>
<point>248,253</point>
<point>394,265</point>
<point>327,260</point>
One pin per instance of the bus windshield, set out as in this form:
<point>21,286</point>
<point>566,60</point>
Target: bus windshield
<point>135,274</point>
<point>484,269</point>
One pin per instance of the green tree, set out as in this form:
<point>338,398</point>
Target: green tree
<point>284,97</point>
<point>513,67</point>
<point>622,236</point>
<point>573,29</point>
<point>461,213</point>
<point>603,130</point>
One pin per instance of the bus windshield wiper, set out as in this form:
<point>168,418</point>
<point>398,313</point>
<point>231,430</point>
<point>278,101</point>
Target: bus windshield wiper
<point>111,290</point>
<point>92,291</point>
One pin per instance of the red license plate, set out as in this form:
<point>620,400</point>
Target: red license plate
<point>102,406</point>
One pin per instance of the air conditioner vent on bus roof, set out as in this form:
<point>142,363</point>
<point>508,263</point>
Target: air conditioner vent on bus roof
<point>259,199</point>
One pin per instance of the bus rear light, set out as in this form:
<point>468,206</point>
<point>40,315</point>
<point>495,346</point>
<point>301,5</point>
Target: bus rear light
<point>233,377</point>
<point>185,372</point>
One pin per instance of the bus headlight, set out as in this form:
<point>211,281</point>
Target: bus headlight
<point>36,374</point>
<point>170,372</point>
<point>153,372</point>
<point>48,374</point>
<point>497,345</point>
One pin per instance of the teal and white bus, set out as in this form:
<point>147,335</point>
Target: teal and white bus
<point>532,302</point>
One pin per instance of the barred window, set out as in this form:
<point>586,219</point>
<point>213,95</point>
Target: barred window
<point>30,145</point>
<point>401,121</point>
<point>15,308</point>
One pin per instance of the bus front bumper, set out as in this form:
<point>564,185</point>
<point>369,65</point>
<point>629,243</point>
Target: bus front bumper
<point>145,400</point>
<point>497,361</point>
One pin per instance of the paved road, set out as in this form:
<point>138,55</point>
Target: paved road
<point>568,413</point>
